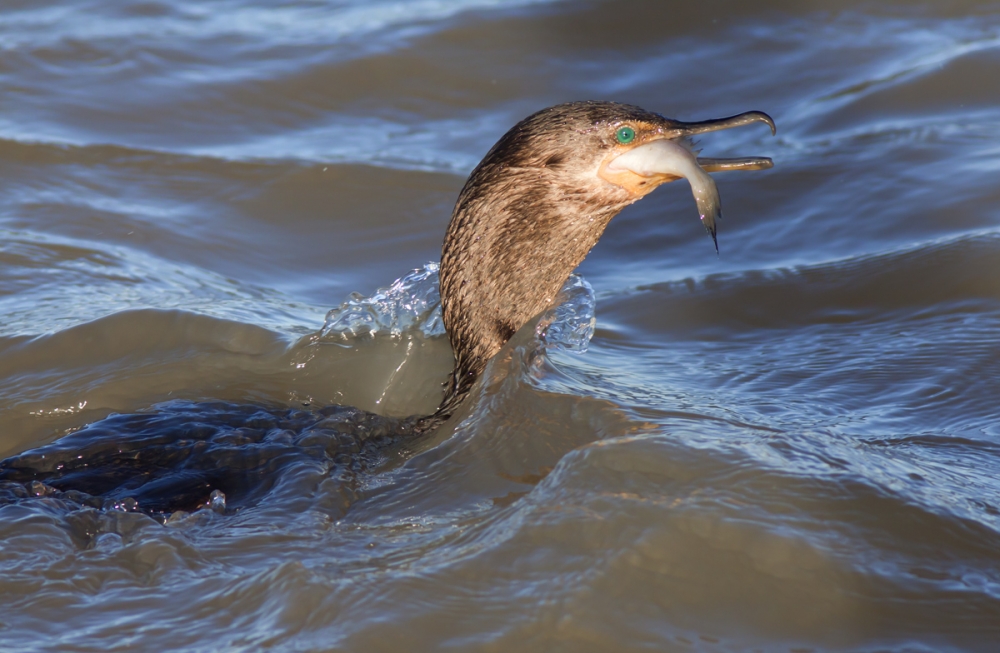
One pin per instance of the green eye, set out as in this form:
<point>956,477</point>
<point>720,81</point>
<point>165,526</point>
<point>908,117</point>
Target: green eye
<point>625,135</point>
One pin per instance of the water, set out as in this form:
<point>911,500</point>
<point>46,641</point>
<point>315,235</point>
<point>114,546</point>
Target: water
<point>793,445</point>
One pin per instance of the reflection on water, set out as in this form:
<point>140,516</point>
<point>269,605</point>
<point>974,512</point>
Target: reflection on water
<point>791,446</point>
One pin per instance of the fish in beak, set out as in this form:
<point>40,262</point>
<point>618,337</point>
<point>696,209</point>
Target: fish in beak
<point>662,153</point>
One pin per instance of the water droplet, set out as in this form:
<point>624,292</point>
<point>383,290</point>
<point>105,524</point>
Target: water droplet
<point>217,501</point>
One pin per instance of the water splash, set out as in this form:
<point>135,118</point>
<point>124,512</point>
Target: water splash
<point>569,325</point>
<point>414,302</point>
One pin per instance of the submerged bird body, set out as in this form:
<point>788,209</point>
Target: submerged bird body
<point>525,219</point>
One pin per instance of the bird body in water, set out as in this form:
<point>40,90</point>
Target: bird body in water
<point>527,216</point>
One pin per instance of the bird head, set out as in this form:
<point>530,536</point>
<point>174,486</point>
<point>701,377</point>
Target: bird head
<point>539,201</point>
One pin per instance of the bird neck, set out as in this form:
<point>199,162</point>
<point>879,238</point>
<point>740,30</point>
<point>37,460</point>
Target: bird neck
<point>515,237</point>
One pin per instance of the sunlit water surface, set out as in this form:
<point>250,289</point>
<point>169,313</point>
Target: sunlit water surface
<point>794,445</point>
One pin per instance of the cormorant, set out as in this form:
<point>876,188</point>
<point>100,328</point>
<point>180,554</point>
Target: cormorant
<point>525,219</point>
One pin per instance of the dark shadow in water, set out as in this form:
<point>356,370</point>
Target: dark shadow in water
<point>183,455</point>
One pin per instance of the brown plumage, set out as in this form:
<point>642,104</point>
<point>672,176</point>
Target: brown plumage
<point>532,210</point>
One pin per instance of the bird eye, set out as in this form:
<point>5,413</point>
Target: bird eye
<point>625,135</point>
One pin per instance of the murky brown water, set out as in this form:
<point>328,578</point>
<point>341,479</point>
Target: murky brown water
<point>792,446</point>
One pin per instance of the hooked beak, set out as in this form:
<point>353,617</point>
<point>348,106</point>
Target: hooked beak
<point>670,157</point>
